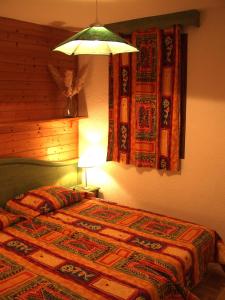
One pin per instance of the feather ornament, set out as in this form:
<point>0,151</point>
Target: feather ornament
<point>80,80</point>
<point>69,85</point>
<point>57,77</point>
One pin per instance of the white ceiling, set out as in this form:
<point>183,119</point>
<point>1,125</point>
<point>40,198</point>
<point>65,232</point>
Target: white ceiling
<point>72,14</point>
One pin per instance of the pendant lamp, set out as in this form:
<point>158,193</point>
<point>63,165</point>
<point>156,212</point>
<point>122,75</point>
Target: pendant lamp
<point>95,40</point>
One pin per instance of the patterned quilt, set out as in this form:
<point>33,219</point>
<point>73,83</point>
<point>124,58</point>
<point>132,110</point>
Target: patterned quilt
<point>94,250</point>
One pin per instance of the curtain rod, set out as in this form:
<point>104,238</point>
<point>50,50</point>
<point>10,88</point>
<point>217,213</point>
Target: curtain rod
<point>184,18</point>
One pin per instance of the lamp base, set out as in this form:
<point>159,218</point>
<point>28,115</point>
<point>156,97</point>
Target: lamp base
<point>85,187</point>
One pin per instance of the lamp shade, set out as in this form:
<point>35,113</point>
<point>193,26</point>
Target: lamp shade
<point>96,40</point>
<point>86,162</point>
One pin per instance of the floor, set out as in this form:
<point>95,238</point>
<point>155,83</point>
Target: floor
<point>213,285</point>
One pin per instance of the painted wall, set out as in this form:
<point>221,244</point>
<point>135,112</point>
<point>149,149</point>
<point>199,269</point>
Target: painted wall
<point>198,192</point>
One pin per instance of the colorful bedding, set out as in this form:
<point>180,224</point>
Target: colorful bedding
<point>93,249</point>
<point>6,218</point>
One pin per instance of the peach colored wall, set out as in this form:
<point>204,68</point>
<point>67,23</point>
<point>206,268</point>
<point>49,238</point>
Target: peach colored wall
<point>198,193</point>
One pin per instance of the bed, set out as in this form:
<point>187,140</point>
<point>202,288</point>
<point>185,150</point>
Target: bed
<point>57,243</point>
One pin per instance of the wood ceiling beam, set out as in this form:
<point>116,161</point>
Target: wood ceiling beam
<point>184,18</point>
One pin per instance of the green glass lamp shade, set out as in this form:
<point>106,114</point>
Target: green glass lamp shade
<point>96,40</point>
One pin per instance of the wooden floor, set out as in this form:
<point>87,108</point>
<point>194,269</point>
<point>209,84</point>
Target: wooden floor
<point>213,285</point>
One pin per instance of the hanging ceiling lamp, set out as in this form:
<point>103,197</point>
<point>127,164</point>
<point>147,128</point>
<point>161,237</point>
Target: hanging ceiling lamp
<point>96,40</point>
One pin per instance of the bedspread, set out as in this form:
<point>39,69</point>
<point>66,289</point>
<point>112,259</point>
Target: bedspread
<point>99,250</point>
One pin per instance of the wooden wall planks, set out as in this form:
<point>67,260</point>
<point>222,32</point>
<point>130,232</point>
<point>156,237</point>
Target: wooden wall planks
<point>27,91</point>
<point>31,106</point>
<point>44,139</point>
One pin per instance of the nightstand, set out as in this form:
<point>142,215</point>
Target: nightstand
<point>90,188</point>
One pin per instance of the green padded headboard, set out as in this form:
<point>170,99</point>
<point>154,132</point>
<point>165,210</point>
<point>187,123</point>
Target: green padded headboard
<point>18,175</point>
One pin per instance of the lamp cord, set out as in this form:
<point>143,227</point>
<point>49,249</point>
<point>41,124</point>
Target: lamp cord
<point>85,177</point>
<point>96,12</point>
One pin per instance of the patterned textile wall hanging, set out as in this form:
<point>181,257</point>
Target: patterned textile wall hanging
<point>144,101</point>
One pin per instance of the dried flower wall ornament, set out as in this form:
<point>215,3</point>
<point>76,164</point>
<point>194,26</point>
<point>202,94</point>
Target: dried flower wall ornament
<point>70,85</point>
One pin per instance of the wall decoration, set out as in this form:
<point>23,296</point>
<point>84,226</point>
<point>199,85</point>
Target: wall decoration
<point>144,101</point>
<point>69,85</point>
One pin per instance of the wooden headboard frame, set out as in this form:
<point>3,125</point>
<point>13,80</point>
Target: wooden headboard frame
<point>18,175</point>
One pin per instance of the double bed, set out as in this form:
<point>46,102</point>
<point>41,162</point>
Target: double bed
<point>56,243</point>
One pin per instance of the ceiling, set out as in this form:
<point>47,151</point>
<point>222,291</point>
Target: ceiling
<point>73,14</point>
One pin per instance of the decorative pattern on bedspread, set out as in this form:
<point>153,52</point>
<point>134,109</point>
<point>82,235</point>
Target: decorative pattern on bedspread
<point>96,250</point>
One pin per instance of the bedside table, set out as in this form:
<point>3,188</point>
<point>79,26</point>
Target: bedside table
<point>90,188</point>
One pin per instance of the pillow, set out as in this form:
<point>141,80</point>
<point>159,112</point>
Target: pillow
<point>7,218</point>
<point>43,200</point>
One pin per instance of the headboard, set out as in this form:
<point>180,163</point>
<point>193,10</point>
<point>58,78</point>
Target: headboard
<point>18,175</point>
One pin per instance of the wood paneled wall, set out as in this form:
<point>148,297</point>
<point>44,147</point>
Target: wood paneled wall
<point>27,91</point>
<point>31,105</point>
<point>54,140</point>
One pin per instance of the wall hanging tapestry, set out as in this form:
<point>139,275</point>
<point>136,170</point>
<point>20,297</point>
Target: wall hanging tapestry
<point>144,101</point>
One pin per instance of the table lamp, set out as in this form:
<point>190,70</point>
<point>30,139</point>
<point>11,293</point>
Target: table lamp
<point>85,162</point>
